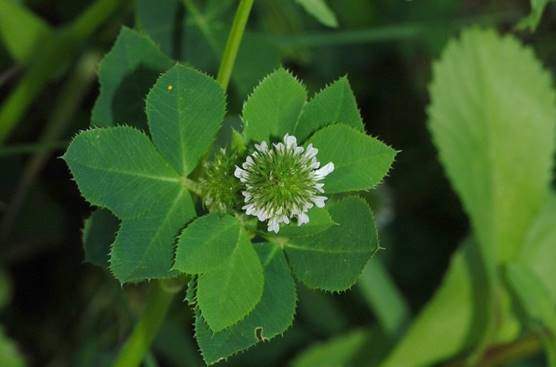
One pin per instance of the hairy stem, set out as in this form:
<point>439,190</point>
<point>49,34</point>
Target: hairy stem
<point>234,40</point>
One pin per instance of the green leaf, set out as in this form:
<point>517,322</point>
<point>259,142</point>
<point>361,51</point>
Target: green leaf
<point>9,355</point>
<point>532,21</point>
<point>126,74</point>
<point>119,168</point>
<point>22,31</point>
<point>360,161</point>
<point>337,352</point>
<point>448,323</point>
<point>333,259</point>
<point>492,119</point>
<point>320,10</point>
<point>164,22</point>
<point>206,243</point>
<point>271,317</point>
<point>274,106</point>
<point>185,109</point>
<point>319,220</point>
<point>334,104</point>
<point>229,293</point>
<point>539,250</point>
<point>99,232</point>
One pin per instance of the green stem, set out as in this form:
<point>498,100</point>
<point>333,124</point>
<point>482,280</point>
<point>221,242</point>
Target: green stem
<point>136,347</point>
<point>234,40</point>
<point>139,342</point>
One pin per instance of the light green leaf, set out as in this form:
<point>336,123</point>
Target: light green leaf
<point>492,118</point>
<point>334,104</point>
<point>539,250</point>
<point>319,220</point>
<point>360,161</point>
<point>333,259</point>
<point>532,21</point>
<point>274,106</point>
<point>206,243</point>
<point>271,317</point>
<point>340,351</point>
<point>320,10</point>
<point>185,109</point>
<point>126,74</point>
<point>229,293</point>
<point>99,232</point>
<point>9,355</point>
<point>119,168</point>
<point>449,322</point>
<point>21,31</point>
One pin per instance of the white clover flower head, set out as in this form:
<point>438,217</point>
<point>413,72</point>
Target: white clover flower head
<point>282,181</point>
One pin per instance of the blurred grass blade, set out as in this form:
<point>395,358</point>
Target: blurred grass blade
<point>320,11</point>
<point>67,103</point>
<point>22,32</point>
<point>56,52</point>
<point>383,297</point>
<point>531,22</point>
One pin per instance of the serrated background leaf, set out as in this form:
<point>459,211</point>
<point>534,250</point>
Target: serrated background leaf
<point>206,243</point>
<point>126,74</point>
<point>333,259</point>
<point>271,317</point>
<point>99,232</point>
<point>274,106</point>
<point>360,161</point>
<point>332,105</point>
<point>495,133</point>
<point>229,293</point>
<point>185,109</point>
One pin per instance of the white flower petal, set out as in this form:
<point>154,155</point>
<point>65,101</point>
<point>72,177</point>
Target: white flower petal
<point>273,226</point>
<point>319,201</point>
<point>290,141</point>
<point>324,171</point>
<point>302,219</point>
<point>262,147</point>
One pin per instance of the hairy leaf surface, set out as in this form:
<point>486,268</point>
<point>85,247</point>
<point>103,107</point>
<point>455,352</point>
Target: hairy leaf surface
<point>360,161</point>
<point>185,109</point>
<point>228,293</point>
<point>271,317</point>
<point>206,243</point>
<point>333,259</point>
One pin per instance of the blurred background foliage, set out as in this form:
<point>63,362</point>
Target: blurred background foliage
<point>57,310</point>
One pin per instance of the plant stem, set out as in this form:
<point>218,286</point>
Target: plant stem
<point>136,347</point>
<point>234,40</point>
<point>139,342</point>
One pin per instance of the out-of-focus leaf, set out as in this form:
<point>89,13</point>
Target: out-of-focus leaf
<point>126,74</point>
<point>531,22</point>
<point>384,298</point>
<point>333,259</point>
<point>271,317</point>
<point>337,352</point>
<point>501,174</point>
<point>539,251</point>
<point>448,323</point>
<point>99,232</point>
<point>5,288</point>
<point>320,10</point>
<point>537,304</point>
<point>9,355</point>
<point>21,31</point>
